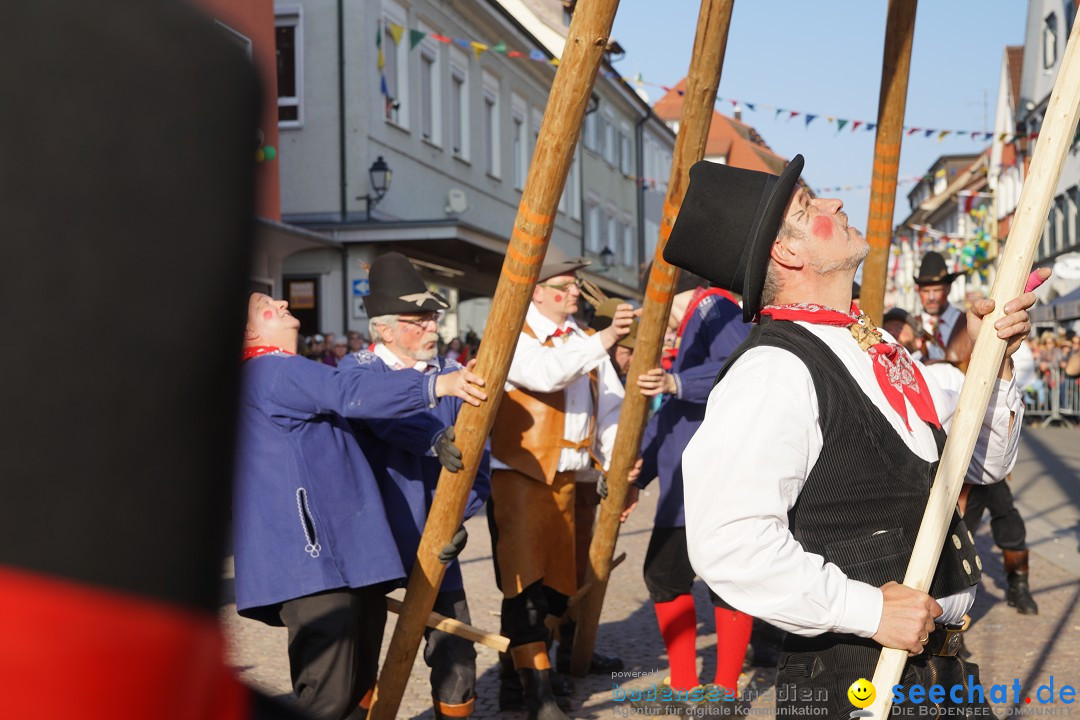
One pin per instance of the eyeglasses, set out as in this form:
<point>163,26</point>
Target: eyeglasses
<point>426,320</point>
<point>562,287</point>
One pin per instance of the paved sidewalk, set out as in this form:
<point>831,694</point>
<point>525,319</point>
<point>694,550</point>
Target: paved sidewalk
<point>1005,645</point>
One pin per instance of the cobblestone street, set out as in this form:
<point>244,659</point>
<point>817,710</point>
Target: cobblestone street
<point>1005,645</point>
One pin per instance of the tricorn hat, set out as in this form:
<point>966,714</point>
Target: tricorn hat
<point>934,271</point>
<point>727,225</point>
<point>605,313</point>
<point>397,288</point>
<point>556,263</point>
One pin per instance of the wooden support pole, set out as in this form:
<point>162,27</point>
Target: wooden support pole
<point>436,621</point>
<point>699,102</point>
<point>1055,139</point>
<point>899,32</point>
<point>586,42</point>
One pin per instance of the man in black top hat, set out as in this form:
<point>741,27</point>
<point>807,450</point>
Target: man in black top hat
<point>940,320</point>
<point>820,543</point>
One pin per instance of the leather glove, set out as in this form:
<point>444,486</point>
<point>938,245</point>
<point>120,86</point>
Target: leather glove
<point>453,548</point>
<point>601,486</point>
<point>447,452</point>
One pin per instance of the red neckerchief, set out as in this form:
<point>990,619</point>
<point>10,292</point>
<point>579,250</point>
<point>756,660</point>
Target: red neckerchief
<point>257,350</point>
<point>667,360</point>
<point>559,332</point>
<point>896,374</point>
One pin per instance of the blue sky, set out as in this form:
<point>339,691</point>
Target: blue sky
<point>824,57</point>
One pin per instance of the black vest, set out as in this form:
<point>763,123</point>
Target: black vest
<point>864,499</point>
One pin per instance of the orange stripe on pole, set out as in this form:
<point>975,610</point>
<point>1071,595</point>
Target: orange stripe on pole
<point>656,296</point>
<point>527,238</point>
<point>526,212</point>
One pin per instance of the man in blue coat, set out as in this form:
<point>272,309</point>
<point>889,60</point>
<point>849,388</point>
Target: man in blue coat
<point>709,327</point>
<point>404,331</point>
<point>313,548</point>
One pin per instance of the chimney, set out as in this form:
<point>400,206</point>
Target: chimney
<point>737,112</point>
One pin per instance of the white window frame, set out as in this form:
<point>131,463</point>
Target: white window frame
<point>1049,42</point>
<point>611,231</point>
<point>459,70</point>
<point>628,243</point>
<point>594,218</point>
<point>395,13</point>
<point>608,140</point>
<point>493,143</point>
<point>590,131</point>
<point>293,16</point>
<point>431,53</point>
<point>626,150</point>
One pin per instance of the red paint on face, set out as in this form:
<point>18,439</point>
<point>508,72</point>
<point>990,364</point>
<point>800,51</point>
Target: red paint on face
<point>558,297</point>
<point>267,314</point>
<point>822,227</point>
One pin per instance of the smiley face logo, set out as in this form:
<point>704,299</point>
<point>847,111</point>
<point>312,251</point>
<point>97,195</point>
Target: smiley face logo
<point>861,693</point>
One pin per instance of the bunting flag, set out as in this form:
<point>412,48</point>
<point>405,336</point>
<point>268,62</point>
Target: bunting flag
<point>415,36</point>
<point>810,119</point>
<point>396,31</point>
<point>381,63</point>
<point>778,111</point>
<point>792,113</point>
<point>478,48</point>
<point>942,134</point>
<point>840,125</point>
<point>855,125</point>
<point>499,47</point>
<point>750,106</point>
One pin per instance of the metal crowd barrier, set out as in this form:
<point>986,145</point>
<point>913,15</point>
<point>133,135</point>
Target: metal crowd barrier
<point>1053,398</point>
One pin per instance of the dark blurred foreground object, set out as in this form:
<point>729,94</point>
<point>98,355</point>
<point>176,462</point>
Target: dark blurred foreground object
<point>126,172</point>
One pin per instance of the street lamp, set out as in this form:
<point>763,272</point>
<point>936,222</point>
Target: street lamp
<point>607,258</point>
<point>379,175</point>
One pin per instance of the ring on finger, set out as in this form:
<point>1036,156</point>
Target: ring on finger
<point>925,638</point>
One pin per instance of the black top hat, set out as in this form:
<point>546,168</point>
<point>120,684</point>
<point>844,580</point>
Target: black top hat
<point>727,225</point>
<point>934,271</point>
<point>397,288</point>
<point>556,263</point>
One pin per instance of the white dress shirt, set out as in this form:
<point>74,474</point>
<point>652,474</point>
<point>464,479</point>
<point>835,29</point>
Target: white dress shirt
<point>566,366</point>
<point>940,326</point>
<point>395,363</point>
<point>745,467</point>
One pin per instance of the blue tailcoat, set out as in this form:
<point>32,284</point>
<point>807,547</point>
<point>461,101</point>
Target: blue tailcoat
<point>307,513</point>
<point>407,474</point>
<point>712,333</point>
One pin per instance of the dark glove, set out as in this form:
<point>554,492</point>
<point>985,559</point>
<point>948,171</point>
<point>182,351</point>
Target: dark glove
<point>447,451</point>
<point>453,548</point>
<point>601,486</point>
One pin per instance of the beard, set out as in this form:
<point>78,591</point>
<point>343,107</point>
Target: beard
<point>858,252</point>
<point>422,351</point>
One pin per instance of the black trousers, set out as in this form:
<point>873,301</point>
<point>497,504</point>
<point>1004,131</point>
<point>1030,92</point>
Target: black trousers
<point>334,641</point>
<point>668,573</point>
<point>1006,525</point>
<point>817,672</point>
<point>524,615</point>
<point>452,659</point>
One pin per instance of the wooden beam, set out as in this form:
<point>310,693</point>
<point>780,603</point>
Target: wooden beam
<point>699,102</point>
<point>1055,139</point>
<point>586,42</point>
<point>456,627</point>
<point>899,32</point>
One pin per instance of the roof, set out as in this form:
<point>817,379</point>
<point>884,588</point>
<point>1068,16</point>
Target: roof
<point>1014,56</point>
<point>740,143</point>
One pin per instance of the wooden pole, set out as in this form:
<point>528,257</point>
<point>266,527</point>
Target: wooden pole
<point>436,621</point>
<point>586,42</point>
<point>699,101</point>
<point>1055,139</point>
<point>899,31</point>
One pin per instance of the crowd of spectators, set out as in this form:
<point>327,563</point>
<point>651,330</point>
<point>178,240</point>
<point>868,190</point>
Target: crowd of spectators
<point>329,348</point>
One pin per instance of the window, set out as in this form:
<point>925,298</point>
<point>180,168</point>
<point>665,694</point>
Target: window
<point>395,72</point>
<point>590,131</point>
<point>593,241</point>
<point>629,244</point>
<point>614,232</point>
<point>652,238</point>
<point>490,110</point>
<point>288,40</point>
<point>1049,41</point>
<point>430,95</point>
<point>519,136</point>
<point>459,104</point>
<point>609,141</point>
<point>1074,215</point>
<point>570,201</point>
<point>626,157</point>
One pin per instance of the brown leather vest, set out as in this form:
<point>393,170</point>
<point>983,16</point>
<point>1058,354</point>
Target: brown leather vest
<point>528,431</point>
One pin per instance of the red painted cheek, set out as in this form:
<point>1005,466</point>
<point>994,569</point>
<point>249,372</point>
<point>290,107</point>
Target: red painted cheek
<point>267,314</point>
<point>822,227</point>
<point>558,298</point>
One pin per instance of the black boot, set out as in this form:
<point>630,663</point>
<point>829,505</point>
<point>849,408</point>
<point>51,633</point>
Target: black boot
<point>539,699</point>
<point>512,693</point>
<point>1018,594</point>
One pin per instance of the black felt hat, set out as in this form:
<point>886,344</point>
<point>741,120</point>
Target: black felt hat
<point>397,288</point>
<point>934,271</point>
<point>727,225</point>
